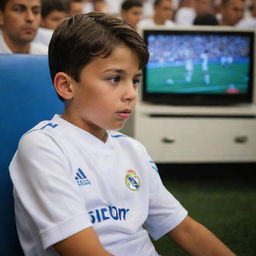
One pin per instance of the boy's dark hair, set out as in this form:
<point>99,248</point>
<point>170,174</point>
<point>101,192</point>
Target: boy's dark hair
<point>79,39</point>
<point>128,4</point>
<point>54,5</point>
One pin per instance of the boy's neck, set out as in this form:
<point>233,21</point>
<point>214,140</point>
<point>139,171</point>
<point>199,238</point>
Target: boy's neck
<point>101,134</point>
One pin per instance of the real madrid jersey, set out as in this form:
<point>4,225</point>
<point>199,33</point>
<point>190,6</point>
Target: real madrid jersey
<point>66,180</point>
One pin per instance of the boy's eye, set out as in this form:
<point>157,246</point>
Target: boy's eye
<point>136,82</point>
<point>115,79</point>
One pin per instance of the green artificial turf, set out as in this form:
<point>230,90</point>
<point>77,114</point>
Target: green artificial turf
<point>226,207</point>
<point>236,76</point>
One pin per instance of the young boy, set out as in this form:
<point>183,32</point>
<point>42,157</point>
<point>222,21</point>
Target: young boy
<point>80,187</point>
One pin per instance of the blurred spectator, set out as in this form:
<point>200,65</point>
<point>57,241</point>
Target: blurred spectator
<point>131,11</point>
<point>163,13</point>
<point>206,19</point>
<point>185,13</point>
<point>249,21</point>
<point>203,6</point>
<point>99,6</point>
<point>232,11</point>
<point>87,6</point>
<point>114,6</point>
<point>53,12</point>
<point>76,7</point>
<point>189,9</point>
<point>19,21</point>
<point>148,10</point>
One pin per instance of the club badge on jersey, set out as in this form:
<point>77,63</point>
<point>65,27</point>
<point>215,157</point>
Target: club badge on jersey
<point>132,180</point>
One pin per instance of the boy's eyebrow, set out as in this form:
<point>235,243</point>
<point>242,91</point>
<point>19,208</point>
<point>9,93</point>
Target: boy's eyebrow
<point>120,71</point>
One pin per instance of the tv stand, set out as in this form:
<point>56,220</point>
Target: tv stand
<point>175,134</point>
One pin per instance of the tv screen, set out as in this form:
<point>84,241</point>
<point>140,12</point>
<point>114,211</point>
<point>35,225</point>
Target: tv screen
<point>199,66</point>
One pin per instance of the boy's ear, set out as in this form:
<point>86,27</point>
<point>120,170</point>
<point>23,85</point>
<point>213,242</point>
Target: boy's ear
<point>63,85</point>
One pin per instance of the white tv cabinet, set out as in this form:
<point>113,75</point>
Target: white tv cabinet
<point>175,134</point>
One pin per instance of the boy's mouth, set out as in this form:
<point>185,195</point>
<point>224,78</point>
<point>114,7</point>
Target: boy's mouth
<point>124,114</point>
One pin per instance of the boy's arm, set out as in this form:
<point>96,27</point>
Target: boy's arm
<point>197,240</point>
<point>83,243</point>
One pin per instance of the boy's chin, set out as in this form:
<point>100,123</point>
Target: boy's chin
<point>118,127</point>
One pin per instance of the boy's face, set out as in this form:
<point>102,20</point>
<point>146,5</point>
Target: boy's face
<point>106,94</point>
<point>20,20</point>
<point>133,15</point>
<point>53,19</point>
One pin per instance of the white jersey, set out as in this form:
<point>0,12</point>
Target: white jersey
<point>35,48</point>
<point>66,180</point>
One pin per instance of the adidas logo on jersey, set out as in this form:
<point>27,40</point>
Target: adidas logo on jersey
<point>81,178</point>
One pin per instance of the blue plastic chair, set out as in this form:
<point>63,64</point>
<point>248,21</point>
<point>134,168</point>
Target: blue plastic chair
<point>27,96</point>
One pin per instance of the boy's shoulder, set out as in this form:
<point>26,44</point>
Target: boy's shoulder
<point>42,126</point>
<point>45,127</point>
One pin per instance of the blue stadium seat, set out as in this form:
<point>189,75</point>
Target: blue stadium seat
<point>27,96</point>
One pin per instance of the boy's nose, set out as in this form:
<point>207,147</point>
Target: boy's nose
<point>130,93</point>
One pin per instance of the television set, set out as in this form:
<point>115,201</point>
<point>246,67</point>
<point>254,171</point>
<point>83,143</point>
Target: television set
<point>200,65</point>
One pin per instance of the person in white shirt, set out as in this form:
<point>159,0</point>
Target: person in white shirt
<point>148,9</point>
<point>190,9</point>
<point>19,21</point>
<point>114,7</point>
<point>232,11</point>
<point>52,13</point>
<point>249,21</point>
<point>80,187</point>
<point>163,13</point>
<point>186,13</point>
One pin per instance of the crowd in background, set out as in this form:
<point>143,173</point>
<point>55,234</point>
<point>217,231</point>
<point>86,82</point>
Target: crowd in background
<point>177,48</point>
<point>27,26</point>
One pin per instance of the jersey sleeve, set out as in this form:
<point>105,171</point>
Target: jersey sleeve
<point>165,211</point>
<point>45,191</point>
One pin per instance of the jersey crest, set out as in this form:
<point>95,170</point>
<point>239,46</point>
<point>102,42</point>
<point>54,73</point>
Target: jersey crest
<point>132,180</point>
